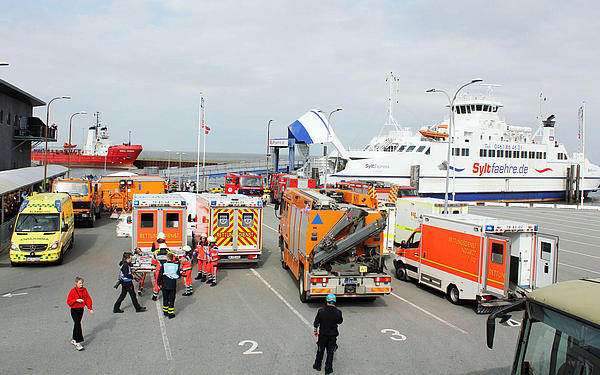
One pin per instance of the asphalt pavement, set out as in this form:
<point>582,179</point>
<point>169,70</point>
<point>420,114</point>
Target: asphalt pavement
<point>253,322</point>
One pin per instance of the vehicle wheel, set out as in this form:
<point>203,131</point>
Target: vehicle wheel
<point>453,294</point>
<point>301,291</point>
<point>59,261</point>
<point>92,220</point>
<point>369,299</point>
<point>99,214</point>
<point>72,241</point>
<point>401,272</point>
<point>14,264</point>
<point>283,265</point>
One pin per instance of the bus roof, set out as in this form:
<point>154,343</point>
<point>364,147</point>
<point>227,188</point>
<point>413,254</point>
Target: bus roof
<point>575,297</point>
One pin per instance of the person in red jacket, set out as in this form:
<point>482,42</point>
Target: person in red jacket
<point>212,261</point>
<point>186,270</point>
<point>201,256</point>
<point>77,299</point>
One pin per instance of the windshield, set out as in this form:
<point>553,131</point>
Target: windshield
<point>556,344</point>
<point>251,181</point>
<point>37,223</point>
<point>73,188</point>
<point>408,192</point>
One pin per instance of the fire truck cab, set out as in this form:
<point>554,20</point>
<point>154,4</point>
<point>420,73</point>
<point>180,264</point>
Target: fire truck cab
<point>245,184</point>
<point>235,221</point>
<point>155,213</point>
<point>84,194</point>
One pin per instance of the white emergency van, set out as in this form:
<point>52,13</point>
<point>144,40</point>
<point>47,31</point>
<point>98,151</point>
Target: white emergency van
<point>235,220</point>
<point>155,213</point>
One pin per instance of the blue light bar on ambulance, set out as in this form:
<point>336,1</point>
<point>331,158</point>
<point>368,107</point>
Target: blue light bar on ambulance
<point>23,205</point>
<point>136,203</point>
<point>58,205</point>
<point>489,228</point>
<point>213,203</point>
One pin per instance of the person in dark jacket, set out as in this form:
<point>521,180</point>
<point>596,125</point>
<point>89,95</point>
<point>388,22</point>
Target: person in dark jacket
<point>167,279</point>
<point>326,322</point>
<point>126,280</point>
<point>77,299</point>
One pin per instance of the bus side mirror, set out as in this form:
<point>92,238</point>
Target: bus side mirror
<point>11,227</point>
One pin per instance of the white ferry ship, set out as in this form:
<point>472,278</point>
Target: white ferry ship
<point>491,160</point>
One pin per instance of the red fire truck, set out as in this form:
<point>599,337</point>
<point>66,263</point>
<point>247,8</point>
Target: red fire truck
<point>246,184</point>
<point>383,191</point>
<point>284,181</point>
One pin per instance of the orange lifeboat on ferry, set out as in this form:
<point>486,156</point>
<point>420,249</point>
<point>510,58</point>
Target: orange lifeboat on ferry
<point>68,145</point>
<point>434,132</point>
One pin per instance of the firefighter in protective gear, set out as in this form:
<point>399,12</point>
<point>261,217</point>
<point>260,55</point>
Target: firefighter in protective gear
<point>167,279</point>
<point>160,238</point>
<point>201,257</point>
<point>160,257</point>
<point>212,261</point>
<point>186,270</point>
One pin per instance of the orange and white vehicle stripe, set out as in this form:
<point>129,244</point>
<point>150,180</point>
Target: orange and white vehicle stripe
<point>223,235</point>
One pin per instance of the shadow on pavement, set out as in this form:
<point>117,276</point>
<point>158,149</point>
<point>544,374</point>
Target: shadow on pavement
<point>494,371</point>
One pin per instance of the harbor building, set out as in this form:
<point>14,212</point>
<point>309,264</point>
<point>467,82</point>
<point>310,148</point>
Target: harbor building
<point>18,127</point>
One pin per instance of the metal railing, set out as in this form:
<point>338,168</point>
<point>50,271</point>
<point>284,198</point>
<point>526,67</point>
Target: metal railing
<point>220,170</point>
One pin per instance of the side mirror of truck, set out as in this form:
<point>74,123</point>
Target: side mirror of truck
<point>402,244</point>
<point>65,227</point>
<point>502,314</point>
<point>128,219</point>
<point>11,227</point>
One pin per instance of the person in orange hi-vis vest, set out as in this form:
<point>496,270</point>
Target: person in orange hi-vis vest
<point>186,270</point>
<point>160,238</point>
<point>213,260</point>
<point>201,257</point>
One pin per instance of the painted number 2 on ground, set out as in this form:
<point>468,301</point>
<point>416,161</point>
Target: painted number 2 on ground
<point>253,346</point>
<point>394,334</point>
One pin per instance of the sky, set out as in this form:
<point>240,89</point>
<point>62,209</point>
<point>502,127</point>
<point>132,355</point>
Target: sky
<point>144,63</point>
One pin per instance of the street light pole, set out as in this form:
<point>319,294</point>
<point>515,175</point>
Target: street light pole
<point>46,137</point>
<point>169,167</point>
<point>69,148</point>
<point>451,133</point>
<point>180,154</point>
<point>268,139</point>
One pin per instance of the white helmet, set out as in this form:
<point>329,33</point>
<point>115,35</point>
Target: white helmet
<point>186,248</point>
<point>161,236</point>
<point>162,246</point>
<point>211,239</point>
<point>203,235</point>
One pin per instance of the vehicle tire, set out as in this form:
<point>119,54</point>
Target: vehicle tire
<point>283,265</point>
<point>14,264</point>
<point>301,291</point>
<point>72,241</point>
<point>369,299</point>
<point>99,213</point>
<point>92,220</point>
<point>453,295</point>
<point>401,272</point>
<point>60,259</point>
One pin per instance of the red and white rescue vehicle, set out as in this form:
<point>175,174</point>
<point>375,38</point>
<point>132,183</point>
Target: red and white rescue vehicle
<point>284,181</point>
<point>246,184</point>
<point>155,213</point>
<point>235,221</point>
<point>471,257</point>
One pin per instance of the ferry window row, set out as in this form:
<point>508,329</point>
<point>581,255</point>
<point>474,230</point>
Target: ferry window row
<point>562,156</point>
<point>460,152</point>
<point>512,154</point>
<point>461,109</point>
<point>405,148</point>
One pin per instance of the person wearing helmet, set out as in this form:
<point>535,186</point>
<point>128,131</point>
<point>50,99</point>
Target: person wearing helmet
<point>213,261</point>
<point>186,270</point>
<point>160,238</point>
<point>201,257</point>
<point>160,257</point>
<point>326,322</point>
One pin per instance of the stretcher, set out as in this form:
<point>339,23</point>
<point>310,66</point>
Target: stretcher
<point>141,266</point>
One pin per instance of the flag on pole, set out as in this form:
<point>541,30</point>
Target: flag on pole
<point>206,129</point>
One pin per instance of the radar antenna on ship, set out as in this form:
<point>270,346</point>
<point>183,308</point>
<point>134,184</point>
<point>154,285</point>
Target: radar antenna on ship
<point>490,89</point>
<point>393,85</point>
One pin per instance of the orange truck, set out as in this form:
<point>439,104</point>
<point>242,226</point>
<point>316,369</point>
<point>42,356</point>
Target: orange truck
<point>116,192</point>
<point>84,194</point>
<point>235,220</point>
<point>471,257</point>
<point>332,246</point>
<point>155,213</point>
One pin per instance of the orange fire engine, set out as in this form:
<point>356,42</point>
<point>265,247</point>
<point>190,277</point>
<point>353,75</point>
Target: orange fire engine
<point>116,192</point>
<point>331,245</point>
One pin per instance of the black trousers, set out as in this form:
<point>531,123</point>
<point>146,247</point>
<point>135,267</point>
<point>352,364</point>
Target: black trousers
<point>127,287</point>
<point>77,314</point>
<point>326,343</point>
<point>169,300</point>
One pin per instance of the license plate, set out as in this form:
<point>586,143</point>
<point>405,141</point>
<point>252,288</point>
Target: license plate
<point>350,281</point>
<point>234,257</point>
<point>363,269</point>
<point>29,259</point>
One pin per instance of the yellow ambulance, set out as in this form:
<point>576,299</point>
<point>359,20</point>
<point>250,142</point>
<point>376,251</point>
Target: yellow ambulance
<point>43,230</point>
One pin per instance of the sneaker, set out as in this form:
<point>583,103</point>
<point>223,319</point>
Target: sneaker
<point>186,294</point>
<point>73,342</point>
<point>141,309</point>
<point>171,316</point>
<point>213,284</point>
<point>317,367</point>
<point>154,298</point>
<point>328,370</point>
<point>165,313</point>
<point>118,311</point>
<point>78,346</point>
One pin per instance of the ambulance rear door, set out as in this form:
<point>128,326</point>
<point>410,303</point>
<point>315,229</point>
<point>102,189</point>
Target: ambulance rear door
<point>546,260</point>
<point>223,225</point>
<point>173,226</point>
<point>248,227</point>
<point>145,228</point>
<point>497,263</point>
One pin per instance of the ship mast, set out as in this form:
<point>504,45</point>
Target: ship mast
<point>540,118</point>
<point>393,83</point>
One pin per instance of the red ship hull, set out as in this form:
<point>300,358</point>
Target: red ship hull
<point>121,156</point>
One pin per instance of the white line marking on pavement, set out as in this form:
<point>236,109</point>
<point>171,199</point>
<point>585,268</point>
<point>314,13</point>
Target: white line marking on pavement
<point>431,314</point>
<point>273,229</point>
<point>9,295</point>
<point>303,319</point>
<point>578,253</point>
<point>579,268</point>
<point>163,328</point>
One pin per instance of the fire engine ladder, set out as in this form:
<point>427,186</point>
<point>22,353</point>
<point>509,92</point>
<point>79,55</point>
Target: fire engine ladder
<point>328,249</point>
